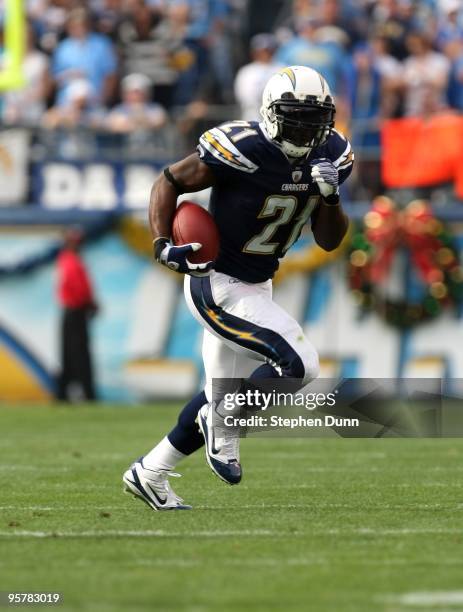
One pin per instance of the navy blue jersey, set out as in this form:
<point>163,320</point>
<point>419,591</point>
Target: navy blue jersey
<point>260,201</point>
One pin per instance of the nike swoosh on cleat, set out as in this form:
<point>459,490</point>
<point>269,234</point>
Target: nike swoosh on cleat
<point>161,501</point>
<point>140,487</point>
<point>213,450</point>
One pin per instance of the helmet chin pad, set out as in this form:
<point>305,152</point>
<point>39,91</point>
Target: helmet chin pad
<point>291,150</point>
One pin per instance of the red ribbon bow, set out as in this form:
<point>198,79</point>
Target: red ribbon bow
<point>414,227</point>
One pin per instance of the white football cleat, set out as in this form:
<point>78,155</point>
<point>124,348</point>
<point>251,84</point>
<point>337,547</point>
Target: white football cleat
<point>222,445</point>
<point>153,487</point>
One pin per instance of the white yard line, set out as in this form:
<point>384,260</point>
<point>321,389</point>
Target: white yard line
<point>123,508</point>
<point>429,483</point>
<point>35,468</point>
<point>33,508</point>
<point>428,598</point>
<point>313,457</point>
<point>249,562</point>
<point>323,469</point>
<point>159,533</point>
<point>63,507</point>
<point>327,505</point>
<point>400,531</point>
<point>224,534</point>
<point>263,506</point>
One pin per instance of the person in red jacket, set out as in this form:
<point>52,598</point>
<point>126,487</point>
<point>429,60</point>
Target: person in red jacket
<point>75,295</point>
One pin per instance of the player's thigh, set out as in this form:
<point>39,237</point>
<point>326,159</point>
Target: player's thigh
<point>214,323</point>
<point>296,353</point>
<point>246,319</point>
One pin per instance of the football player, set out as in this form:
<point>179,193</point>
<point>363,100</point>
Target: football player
<point>268,180</point>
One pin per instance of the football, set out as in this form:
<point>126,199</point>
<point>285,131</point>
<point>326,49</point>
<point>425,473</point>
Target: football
<point>192,223</point>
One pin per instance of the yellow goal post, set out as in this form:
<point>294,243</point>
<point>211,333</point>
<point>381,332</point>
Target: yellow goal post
<point>14,34</point>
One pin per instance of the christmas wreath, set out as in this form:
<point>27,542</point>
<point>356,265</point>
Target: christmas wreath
<point>432,258</point>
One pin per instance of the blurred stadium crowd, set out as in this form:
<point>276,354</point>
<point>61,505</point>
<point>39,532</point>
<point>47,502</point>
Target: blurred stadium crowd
<point>115,90</point>
<point>127,65</point>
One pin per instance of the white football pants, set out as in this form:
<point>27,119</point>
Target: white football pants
<point>242,326</point>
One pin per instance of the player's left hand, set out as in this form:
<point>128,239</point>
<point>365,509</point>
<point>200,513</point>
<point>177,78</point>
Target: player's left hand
<point>325,174</point>
<point>176,257</point>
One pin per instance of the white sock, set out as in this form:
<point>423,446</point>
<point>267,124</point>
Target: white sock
<point>164,456</point>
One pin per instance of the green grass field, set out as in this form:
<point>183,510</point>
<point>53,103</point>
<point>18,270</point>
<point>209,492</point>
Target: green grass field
<point>317,524</point>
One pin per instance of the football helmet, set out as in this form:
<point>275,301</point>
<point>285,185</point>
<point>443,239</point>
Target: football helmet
<point>298,110</point>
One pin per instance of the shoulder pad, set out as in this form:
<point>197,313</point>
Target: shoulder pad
<point>220,143</point>
<point>341,150</point>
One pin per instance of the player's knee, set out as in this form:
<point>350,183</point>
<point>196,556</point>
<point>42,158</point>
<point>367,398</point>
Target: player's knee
<point>310,364</point>
<point>303,365</point>
<point>311,367</point>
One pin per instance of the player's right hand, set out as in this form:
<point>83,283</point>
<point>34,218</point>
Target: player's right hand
<point>176,257</point>
<point>325,175</point>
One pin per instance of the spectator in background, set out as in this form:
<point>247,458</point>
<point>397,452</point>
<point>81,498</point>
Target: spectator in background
<point>299,11</point>
<point>207,39</point>
<point>393,19</point>
<point>27,105</point>
<point>366,105</point>
<point>366,96</point>
<point>76,298</point>
<point>136,112</point>
<point>84,55</point>
<point>219,43</point>
<point>390,71</point>
<point>107,17</point>
<point>450,23</point>
<point>425,76</point>
<point>387,65</point>
<point>49,20</point>
<point>327,56</point>
<point>454,52</point>
<point>345,16</point>
<point>64,123</point>
<point>151,42</point>
<point>77,109</point>
<point>251,79</point>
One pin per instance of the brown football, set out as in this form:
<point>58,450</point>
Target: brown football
<point>192,223</point>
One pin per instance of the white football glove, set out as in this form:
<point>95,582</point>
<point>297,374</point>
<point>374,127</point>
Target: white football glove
<point>325,174</point>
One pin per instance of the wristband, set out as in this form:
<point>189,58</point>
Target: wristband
<point>332,200</point>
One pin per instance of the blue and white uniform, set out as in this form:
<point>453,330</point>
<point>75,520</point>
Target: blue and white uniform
<point>260,202</point>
